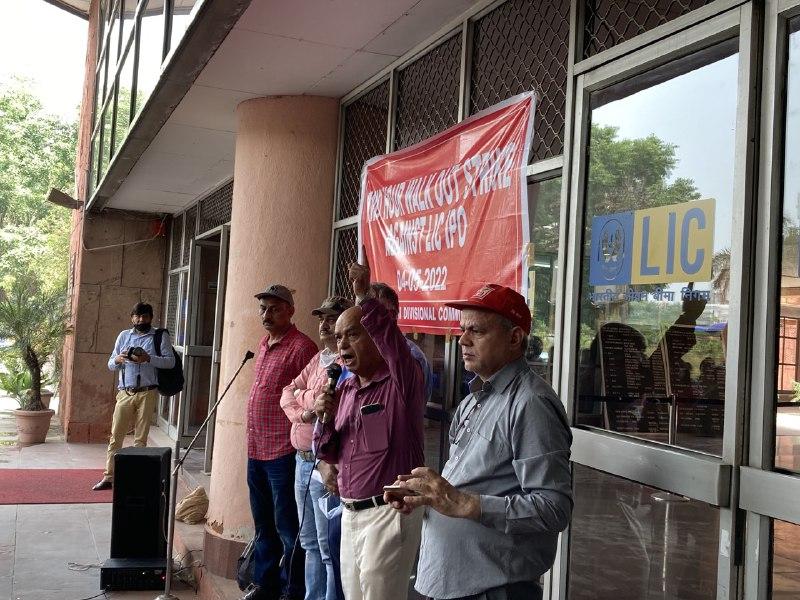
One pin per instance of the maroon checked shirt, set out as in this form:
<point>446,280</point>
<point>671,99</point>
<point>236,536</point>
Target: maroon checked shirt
<point>268,427</point>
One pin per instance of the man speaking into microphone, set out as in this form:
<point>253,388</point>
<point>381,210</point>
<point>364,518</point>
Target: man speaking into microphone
<point>282,354</point>
<point>373,430</point>
<point>297,402</point>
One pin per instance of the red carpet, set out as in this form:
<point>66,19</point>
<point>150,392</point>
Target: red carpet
<point>51,486</point>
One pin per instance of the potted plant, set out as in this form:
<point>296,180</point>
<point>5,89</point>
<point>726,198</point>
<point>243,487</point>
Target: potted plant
<point>35,322</point>
<point>17,381</point>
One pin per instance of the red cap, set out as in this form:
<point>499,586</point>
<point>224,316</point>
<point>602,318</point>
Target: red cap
<point>501,300</point>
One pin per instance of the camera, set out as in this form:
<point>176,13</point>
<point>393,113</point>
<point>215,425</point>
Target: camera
<point>135,351</point>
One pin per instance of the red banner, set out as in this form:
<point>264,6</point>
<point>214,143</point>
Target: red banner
<point>441,218</point>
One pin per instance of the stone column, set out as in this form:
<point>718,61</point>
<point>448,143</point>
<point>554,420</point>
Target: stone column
<point>280,233</point>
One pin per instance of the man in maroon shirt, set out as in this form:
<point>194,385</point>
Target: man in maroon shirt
<point>282,354</point>
<point>373,428</point>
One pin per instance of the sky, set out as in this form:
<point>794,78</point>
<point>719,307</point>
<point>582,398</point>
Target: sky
<point>47,45</point>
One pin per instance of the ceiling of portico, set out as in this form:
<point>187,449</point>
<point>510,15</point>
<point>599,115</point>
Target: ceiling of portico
<point>317,47</point>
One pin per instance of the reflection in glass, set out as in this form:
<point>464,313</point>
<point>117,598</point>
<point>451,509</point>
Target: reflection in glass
<point>128,16</point>
<point>436,423</point>
<point>655,274</point>
<point>630,541</point>
<point>113,46</point>
<point>105,142</point>
<point>544,206</point>
<point>151,49</point>
<point>182,14</point>
<point>198,396</point>
<point>787,426</point>
<point>785,560</point>
<point>93,163</point>
<point>100,81</point>
<point>124,101</point>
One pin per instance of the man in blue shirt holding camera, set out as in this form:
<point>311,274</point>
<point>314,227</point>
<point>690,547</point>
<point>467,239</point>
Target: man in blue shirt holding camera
<point>135,360</point>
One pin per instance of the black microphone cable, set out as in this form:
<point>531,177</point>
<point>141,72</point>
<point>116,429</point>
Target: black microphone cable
<point>334,371</point>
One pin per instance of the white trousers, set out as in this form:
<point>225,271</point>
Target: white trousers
<point>379,547</point>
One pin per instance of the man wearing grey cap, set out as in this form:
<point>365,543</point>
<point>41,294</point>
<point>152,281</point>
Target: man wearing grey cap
<point>297,402</point>
<point>282,354</point>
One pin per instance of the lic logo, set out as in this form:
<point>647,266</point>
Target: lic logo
<point>612,248</point>
<point>610,257</point>
<point>665,244</point>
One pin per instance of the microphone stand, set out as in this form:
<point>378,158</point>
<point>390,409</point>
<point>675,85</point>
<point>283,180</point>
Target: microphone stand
<point>173,490</point>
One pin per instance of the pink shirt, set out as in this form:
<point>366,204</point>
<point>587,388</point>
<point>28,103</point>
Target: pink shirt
<point>299,396</point>
<point>373,448</point>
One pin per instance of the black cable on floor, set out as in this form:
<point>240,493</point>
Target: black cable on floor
<point>103,593</point>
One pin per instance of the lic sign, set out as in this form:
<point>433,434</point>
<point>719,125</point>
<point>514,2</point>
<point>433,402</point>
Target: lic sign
<point>667,244</point>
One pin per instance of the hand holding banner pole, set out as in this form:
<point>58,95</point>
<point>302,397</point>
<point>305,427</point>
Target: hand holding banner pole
<point>173,491</point>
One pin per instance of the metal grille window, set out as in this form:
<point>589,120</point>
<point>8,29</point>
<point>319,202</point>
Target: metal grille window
<point>365,122</point>
<point>172,303</point>
<point>522,46</point>
<point>175,236</point>
<point>215,209</point>
<point>610,22</point>
<point>427,94</point>
<point>188,232</point>
<point>346,253</point>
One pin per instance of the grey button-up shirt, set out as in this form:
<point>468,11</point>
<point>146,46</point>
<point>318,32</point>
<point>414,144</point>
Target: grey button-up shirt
<point>509,443</point>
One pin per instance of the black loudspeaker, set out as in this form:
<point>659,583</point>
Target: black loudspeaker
<point>141,498</point>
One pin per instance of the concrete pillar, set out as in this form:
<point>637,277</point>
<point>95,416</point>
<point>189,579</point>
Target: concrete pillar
<point>280,232</point>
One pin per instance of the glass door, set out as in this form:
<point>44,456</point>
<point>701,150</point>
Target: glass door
<point>770,477</point>
<point>655,365</point>
<point>204,334</point>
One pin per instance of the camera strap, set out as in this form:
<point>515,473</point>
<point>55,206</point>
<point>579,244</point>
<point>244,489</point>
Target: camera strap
<point>138,371</point>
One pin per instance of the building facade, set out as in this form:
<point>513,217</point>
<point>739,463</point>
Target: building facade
<point>222,145</point>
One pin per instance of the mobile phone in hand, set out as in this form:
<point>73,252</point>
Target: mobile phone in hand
<point>399,491</point>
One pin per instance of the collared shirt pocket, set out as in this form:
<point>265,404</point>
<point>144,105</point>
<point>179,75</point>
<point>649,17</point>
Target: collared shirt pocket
<point>375,429</point>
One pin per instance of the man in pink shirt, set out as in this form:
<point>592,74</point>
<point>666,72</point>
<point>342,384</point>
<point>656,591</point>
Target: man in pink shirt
<point>372,428</point>
<point>297,402</point>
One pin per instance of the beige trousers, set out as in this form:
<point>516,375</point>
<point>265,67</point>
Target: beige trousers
<point>136,410</point>
<point>379,547</point>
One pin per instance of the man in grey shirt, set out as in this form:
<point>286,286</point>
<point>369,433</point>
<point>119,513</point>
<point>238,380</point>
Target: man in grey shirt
<point>493,517</point>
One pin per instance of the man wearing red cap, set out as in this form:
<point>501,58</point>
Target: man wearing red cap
<point>493,517</point>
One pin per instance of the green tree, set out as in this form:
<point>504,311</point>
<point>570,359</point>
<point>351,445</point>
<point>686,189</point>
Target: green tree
<point>629,174</point>
<point>37,152</point>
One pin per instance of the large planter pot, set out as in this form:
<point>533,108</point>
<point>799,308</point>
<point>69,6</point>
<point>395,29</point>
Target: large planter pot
<point>32,425</point>
<point>47,395</point>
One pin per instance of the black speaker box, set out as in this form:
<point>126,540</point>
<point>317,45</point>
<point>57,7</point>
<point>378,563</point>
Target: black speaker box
<point>141,500</point>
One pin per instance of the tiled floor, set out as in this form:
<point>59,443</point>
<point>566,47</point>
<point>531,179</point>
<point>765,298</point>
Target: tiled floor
<point>53,551</point>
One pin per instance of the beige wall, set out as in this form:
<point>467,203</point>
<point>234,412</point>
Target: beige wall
<point>105,285</point>
<point>280,232</point>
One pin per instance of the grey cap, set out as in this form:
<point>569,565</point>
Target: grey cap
<point>276,290</point>
<point>335,305</point>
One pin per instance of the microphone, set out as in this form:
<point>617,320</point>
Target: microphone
<point>334,372</point>
<point>247,356</point>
